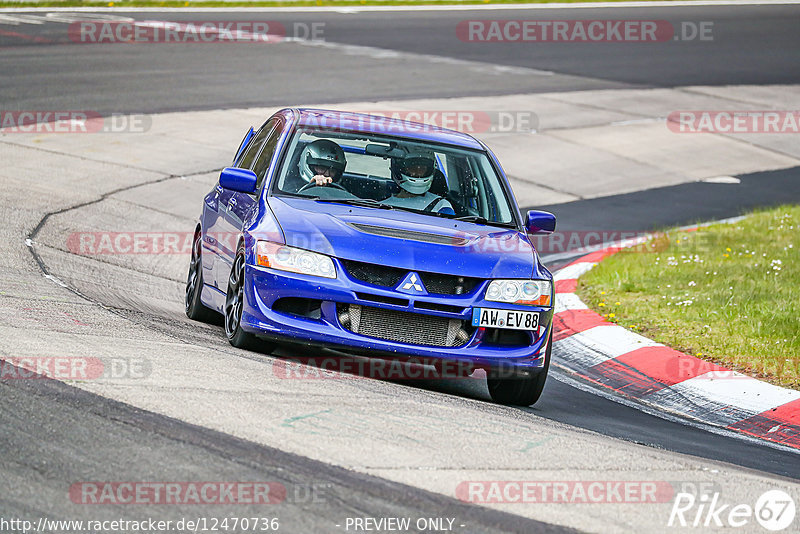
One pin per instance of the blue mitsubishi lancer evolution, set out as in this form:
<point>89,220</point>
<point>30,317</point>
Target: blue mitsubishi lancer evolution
<point>380,237</point>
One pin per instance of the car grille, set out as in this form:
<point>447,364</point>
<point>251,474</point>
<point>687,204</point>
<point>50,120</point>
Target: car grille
<point>445,284</point>
<point>374,274</point>
<point>404,327</point>
<point>379,275</point>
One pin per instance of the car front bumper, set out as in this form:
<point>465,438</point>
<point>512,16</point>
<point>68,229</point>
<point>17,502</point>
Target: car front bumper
<point>328,326</point>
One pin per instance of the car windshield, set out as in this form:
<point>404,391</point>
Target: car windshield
<point>460,183</point>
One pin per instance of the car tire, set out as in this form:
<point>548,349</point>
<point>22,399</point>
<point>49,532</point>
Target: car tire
<point>194,307</point>
<point>234,305</point>
<point>521,391</point>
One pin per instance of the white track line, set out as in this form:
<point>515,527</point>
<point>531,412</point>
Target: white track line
<point>569,301</point>
<point>612,340</point>
<point>574,271</point>
<point>733,389</point>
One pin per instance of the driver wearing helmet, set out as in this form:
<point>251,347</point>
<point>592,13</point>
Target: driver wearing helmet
<point>414,173</point>
<point>322,162</point>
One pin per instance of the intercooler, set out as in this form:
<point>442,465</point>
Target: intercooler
<point>403,327</point>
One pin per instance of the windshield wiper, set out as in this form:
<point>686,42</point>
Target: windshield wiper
<point>483,220</point>
<point>365,202</point>
<point>294,195</point>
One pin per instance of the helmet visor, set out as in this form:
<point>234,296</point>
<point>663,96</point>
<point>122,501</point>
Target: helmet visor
<point>324,170</point>
<point>417,166</point>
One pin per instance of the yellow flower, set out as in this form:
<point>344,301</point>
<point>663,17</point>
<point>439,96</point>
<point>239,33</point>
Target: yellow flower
<point>616,303</point>
<point>724,255</point>
<point>602,304</point>
<point>612,315</point>
<point>728,249</point>
<point>602,292</point>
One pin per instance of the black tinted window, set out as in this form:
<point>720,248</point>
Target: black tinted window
<point>255,145</point>
<point>263,160</point>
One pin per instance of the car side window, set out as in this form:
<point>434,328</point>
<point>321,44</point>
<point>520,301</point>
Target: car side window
<point>254,146</point>
<point>265,157</point>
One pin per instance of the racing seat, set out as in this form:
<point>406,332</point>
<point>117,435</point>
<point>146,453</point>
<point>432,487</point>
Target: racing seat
<point>439,187</point>
<point>370,186</point>
<point>439,184</point>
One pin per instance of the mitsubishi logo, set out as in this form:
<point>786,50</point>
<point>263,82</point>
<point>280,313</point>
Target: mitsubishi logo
<point>412,283</point>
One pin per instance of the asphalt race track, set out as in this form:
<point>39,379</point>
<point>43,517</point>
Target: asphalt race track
<point>341,448</point>
<point>754,45</point>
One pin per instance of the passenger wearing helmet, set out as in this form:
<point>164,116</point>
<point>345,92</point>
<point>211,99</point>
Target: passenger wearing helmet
<point>322,162</point>
<point>413,173</point>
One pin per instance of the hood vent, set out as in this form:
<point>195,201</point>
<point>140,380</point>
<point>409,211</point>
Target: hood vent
<point>424,237</point>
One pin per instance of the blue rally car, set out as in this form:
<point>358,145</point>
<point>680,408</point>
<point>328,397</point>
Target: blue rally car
<point>380,237</point>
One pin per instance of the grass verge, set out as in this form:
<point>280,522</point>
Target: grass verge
<point>727,293</point>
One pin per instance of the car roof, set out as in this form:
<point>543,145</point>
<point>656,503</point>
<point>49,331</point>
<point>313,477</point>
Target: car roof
<point>377,124</point>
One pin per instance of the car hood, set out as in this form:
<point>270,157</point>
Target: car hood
<point>404,240</point>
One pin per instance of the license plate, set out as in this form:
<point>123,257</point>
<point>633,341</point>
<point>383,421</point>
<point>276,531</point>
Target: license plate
<point>511,319</point>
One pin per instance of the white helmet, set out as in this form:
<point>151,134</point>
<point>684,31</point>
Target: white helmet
<point>323,153</point>
<point>414,171</point>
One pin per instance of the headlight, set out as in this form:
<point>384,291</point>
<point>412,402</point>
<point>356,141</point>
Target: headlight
<point>526,292</point>
<point>295,260</point>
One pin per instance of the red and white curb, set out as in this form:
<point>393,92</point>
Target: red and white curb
<point>659,377</point>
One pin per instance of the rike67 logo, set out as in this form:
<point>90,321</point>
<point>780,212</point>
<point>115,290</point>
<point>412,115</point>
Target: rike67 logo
<point>774,510</point>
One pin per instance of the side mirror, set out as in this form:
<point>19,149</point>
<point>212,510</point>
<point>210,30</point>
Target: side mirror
<point>241,180</point>
<point>540,222</point>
